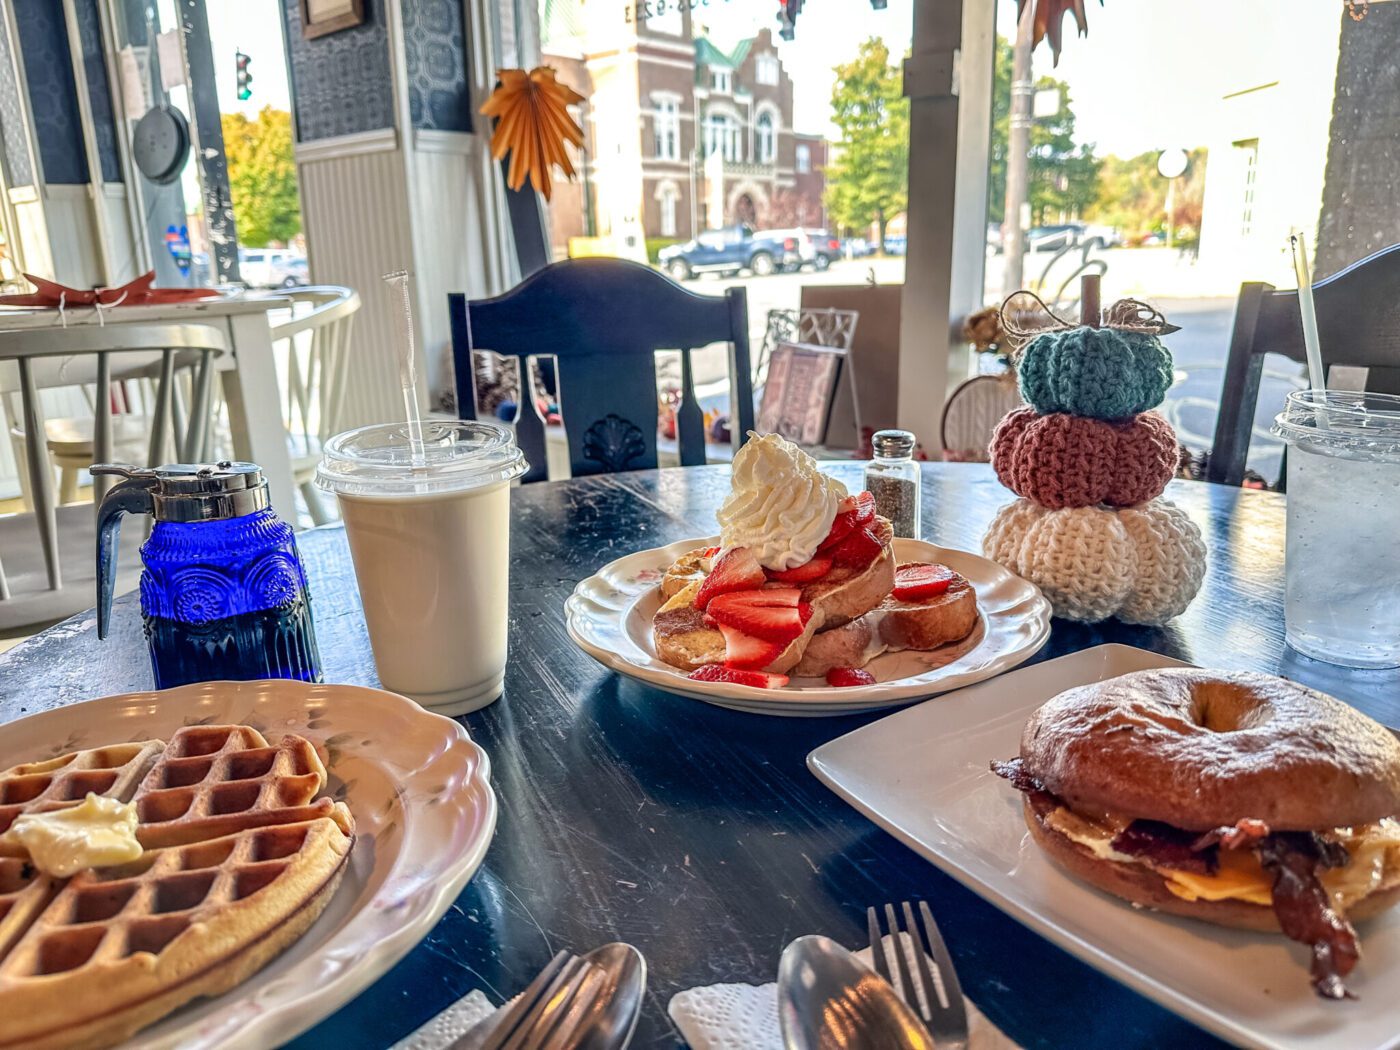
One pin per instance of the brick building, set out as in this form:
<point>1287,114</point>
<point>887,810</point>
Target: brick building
<point>680,135</point>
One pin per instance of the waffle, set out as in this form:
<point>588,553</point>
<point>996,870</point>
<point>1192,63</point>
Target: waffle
<point>38,787</point>
<point>239,859</point>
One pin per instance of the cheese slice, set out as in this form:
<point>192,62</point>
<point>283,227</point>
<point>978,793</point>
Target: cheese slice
<point>1374,850</point>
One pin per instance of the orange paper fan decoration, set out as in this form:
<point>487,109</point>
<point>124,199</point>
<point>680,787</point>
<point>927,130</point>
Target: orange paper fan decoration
<point>533,123</point>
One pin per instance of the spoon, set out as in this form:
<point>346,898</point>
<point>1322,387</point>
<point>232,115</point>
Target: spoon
<point>601,1014</point>
<point>829,1000</point>
<point>618,1004</point>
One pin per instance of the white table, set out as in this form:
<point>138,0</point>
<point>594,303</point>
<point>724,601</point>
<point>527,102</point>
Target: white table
<point>248,373</point>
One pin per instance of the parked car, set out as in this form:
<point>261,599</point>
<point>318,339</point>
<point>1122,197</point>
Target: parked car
<point>857,247</point>
<point>797,248</point>
<point>272,267</point>
<point>1107,236</point>
<point>896,245</point>
<point>724,251</point>
<point>805,247</point>
<point>1053,238</point>
<point>828,248</point>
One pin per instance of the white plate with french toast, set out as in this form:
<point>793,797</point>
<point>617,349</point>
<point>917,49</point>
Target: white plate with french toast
<point>1004,620</point>
<point>250,856</point>
<point>1186,929</point>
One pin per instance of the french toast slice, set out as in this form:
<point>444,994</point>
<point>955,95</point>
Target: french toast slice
<point>691,567</point>
<point>847,592</point>
<point>684,640</point>
<point>893,625</point>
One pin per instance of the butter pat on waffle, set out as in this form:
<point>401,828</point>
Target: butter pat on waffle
<point>239,858</point>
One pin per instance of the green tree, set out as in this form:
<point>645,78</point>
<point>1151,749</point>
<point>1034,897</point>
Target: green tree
<point>1132,197</point>
<point>262,177</point>
<point>868,179</point>
<point>1063,175</point>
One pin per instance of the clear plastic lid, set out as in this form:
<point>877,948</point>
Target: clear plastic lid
<point>458,455</point>
<point>1342,422</point>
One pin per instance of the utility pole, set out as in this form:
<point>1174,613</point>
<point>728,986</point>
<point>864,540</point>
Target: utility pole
<point>1018,149</point>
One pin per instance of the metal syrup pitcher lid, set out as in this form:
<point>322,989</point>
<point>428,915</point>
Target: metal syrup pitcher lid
<point>178,492</point>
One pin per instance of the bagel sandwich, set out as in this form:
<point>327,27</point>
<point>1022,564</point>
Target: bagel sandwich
<point>1238,799</point>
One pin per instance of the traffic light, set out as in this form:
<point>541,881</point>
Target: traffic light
<point>245,79</point>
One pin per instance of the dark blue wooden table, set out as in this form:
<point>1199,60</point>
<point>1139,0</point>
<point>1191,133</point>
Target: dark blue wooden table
<point>696,833</point>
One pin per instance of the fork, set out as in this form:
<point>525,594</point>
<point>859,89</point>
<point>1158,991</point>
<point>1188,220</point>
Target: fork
<point>549,1009</point>
<point>941,1006</point>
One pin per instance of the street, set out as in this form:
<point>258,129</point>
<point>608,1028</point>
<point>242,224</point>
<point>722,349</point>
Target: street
<point>1199,349</point>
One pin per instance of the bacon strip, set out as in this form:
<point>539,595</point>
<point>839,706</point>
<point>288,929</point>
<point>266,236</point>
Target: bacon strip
<point>1167,847</point>
<point>1241,835</point>
<point>1014,770</point>
<point>1304,908</point>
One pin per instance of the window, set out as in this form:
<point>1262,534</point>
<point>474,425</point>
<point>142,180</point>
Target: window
<point>665,17</point>
<point>722,81</point>
<point>804,159</point>
<point>1248,156</point>
<point>667,195</point>
<point>765,141</point>
<point>766,69</point>
<point>722,135</point>
<point>668,129</point>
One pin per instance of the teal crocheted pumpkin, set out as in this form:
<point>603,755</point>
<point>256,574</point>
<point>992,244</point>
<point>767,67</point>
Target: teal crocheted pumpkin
<point>1103,373</point>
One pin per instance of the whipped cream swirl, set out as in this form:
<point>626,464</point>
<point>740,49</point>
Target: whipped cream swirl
<point>781,506</point>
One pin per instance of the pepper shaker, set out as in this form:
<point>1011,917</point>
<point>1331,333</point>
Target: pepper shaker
<point>892,477</point>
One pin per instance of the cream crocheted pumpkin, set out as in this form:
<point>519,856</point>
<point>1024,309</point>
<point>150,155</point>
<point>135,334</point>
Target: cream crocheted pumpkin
<point>1141,564</point>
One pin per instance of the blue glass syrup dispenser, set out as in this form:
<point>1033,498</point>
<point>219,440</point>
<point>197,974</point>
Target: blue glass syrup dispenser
<point>223,593</point>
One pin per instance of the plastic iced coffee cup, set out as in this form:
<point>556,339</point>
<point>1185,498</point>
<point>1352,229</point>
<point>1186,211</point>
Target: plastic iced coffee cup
<point>431,548</point>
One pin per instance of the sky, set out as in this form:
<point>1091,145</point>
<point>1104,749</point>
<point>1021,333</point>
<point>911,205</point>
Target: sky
<point>253,26</point>
<point>1147,77</point>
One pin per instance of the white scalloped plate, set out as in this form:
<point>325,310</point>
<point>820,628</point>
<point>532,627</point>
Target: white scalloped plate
<point>424,815</point>
<point>609,617</point>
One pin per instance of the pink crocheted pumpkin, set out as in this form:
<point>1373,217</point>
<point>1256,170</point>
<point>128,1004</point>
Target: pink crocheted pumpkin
<point>1074,461</point>
<point>1061,461</point>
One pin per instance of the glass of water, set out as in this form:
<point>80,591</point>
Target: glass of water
<point>1342,562</point>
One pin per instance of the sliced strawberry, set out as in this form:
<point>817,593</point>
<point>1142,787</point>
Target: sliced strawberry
<point>844,676</point>
<point>840,529</point>
<point>859,549</point>
<point>774,614</point>
<point>736,570</point>
<point>864,508</point>
<point>736,676</point>
<point>710,552</point>
<point>815,569</point>
<point>851,513</point>
<point>747,652</point>
<point>918,582</point>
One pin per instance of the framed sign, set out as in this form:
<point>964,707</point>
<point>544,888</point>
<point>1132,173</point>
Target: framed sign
<point>319,17</point>
<point>798,392</point>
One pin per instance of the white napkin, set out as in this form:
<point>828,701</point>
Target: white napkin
<point>745,1016</point>
<point>453,1023</point>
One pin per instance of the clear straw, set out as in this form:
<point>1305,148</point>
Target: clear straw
<point>408,368</point>
<point>1316,376</point>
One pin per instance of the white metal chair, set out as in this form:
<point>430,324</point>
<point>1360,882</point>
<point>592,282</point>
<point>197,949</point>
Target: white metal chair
<point>972,414</point>
<point>322,316</point>
<point>34,589</point>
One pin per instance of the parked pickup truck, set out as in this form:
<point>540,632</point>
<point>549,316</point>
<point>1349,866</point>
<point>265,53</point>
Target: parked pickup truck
<point>724,251</point>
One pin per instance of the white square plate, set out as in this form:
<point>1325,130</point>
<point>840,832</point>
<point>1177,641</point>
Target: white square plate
<point>921,774</point>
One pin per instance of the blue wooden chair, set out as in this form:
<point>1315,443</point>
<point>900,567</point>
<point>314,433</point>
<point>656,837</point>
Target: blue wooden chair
<point>603,320</point>
<point>1358,324</point>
